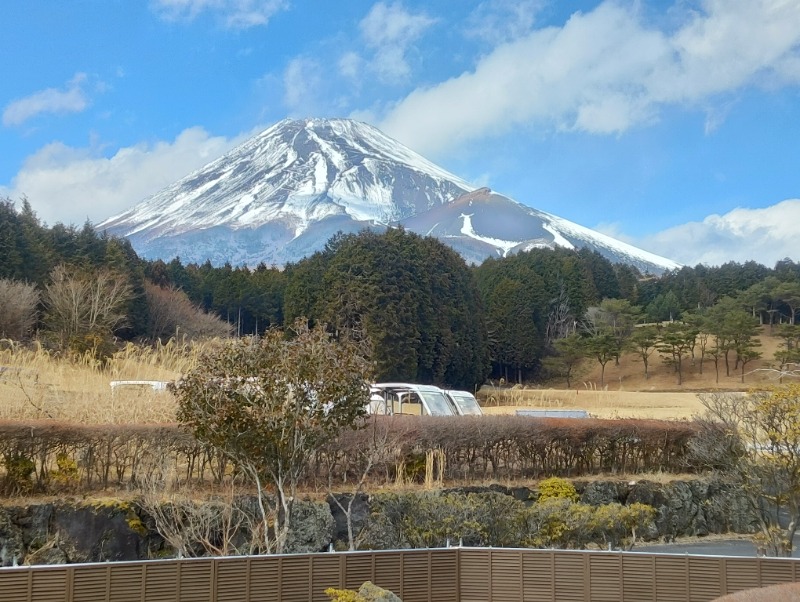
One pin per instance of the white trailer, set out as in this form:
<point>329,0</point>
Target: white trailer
<point>407,398</point>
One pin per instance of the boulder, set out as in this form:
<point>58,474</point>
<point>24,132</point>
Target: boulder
<point>12,546</point>
<point>647,492</point>
<point>35,522</point>
<point>372,593</point>
<point>523,494</point>
<point>311,529</point>
<point>49,554</point>
<point>726,509</point>
<point>681,512</point>
<point>359,514</point>
<point>100,531</point>
<point>599,493</point>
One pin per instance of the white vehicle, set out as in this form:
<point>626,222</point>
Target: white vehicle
<point>406,398</point>
<point>464,402</point>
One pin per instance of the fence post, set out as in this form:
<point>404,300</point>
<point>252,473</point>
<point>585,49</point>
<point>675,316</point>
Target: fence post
<point>490,573</point>
<point>587,578</point>
<point>723,577</point>
<point>178,579</point>
<point>69,584</point>
<point>249,573</point>
<point>213,579</point>
<point>687,575</point>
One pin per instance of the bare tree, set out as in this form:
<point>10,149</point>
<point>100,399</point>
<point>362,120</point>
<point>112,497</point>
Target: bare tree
<point>221,525</point>
<point>384,438</point>
<point>560,321</point>
<point>170,310</point>
<point>755,440</point>
<point>80,303</point>
<point>18,302</point>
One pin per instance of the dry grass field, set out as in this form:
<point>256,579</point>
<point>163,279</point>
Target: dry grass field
<point>36,385</point>
<point>626,392</point>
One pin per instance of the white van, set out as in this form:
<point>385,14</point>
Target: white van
<point>464,402</point>
<point>406,398</point>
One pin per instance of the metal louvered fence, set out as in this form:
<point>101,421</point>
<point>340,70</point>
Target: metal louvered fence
<point>440,575</point>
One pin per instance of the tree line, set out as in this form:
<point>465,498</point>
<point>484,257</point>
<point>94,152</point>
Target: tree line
<point>424,314</point>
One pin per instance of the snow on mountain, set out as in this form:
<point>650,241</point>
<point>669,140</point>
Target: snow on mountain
<point>282,194</point>
<point>483,223</point>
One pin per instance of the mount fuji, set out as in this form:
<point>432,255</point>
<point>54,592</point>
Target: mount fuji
<point>282,194</point>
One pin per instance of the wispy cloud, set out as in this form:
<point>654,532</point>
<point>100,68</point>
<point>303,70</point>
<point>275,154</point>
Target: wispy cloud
<point>765,235</point>
<point>389,30</point>
<point>606,71</point>
<point>302,80</point>
<point>72,98</point>
<point>235,14</point>
<point>497,21</point>
<point>67,184</point>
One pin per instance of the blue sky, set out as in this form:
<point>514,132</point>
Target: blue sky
<point>671,125</point>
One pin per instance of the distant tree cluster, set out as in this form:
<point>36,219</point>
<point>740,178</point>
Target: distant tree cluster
<point>427,316</point>
<point>77,291</point>
<point>548,312</point>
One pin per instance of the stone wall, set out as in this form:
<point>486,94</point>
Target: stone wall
<point>64,532</point>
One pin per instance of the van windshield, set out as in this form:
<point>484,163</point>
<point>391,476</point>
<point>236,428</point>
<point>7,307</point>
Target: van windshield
<point>436,403</point>
<point>467,404</point>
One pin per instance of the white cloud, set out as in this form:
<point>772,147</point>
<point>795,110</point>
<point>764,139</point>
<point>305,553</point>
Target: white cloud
<point>497,21</point>
<point>302,82</point>
<point>389,30</point>
<point>351,65</point>
<point>605,71</point>
<point>763,235</point>
<point>69,185</point>
<point>70,99</point>
<point>235,14</point>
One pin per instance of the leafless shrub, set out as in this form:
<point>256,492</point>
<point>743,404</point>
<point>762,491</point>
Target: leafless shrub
<point>171,312</point>
<point>18,302</point>
<point>80,303</point>
<point>222,525</point>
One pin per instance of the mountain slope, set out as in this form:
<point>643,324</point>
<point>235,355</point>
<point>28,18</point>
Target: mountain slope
<point>483,223</point>
<point>282,194</point>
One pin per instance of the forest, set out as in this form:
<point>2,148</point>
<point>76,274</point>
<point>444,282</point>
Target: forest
<point>423,313</point>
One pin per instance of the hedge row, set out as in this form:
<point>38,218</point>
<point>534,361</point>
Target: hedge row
<point>506,447</point>
<point>47,456</point>
<point>53,456</point>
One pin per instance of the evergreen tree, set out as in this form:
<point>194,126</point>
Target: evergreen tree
<point>412,299</point>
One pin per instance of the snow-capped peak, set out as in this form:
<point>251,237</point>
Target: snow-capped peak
<point>300,172</point>
<point>282,194</point>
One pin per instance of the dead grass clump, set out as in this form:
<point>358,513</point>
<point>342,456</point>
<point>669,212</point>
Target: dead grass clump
<point>785,592</point>
<point>36,384</point>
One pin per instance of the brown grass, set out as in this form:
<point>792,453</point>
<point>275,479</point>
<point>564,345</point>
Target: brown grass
<point>36,385</point>
<point>626,392</point>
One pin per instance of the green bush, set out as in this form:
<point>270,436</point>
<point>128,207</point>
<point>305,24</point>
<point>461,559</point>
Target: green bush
<point>19,470</point>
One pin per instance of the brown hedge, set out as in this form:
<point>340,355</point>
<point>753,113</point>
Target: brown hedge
<point>474,448</point>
